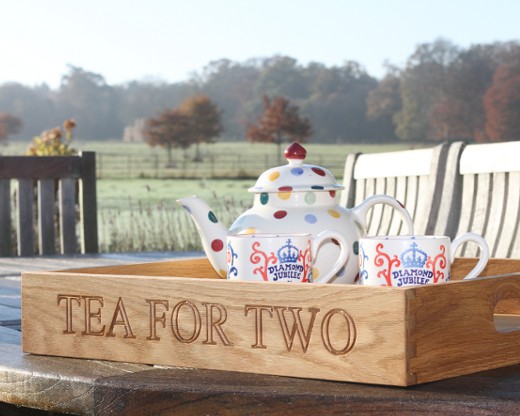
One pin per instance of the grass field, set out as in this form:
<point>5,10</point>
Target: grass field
<point>223,160</point>
<point>142,215</point>
<point>137,211</point>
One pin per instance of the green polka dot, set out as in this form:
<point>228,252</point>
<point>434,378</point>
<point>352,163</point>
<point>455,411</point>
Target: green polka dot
<point>264,198</point>
<point>355,247</point>
<point>212,217</point>
<point>310,198</point>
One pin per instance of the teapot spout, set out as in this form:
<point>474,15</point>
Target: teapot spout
<point>212,233</point>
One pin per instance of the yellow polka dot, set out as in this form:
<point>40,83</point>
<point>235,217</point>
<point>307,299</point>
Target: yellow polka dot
<point>222,273</point>
<point>250,230</point>
<point>284,195</point>
<point>333,213</point>
<point>274,176</point>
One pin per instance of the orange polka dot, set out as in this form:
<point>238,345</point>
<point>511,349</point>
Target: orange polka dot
<point>274,176</point>
<point>333,213</point>
<point>284,195</point>
<point>250,230</point>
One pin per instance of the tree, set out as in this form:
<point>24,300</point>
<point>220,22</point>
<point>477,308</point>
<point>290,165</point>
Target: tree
<point>9,124</point>
<point>33,105</point>
<point>459,110</point>
<point>281,76</point>
<point>422,83</point>
<point>170,129</point>
<point>195,121</point>
<point>230,85</point>
<point>280,120</point>
<point>204,121</point>
<point>87,97</point>
<point>502,104</point>
<point>337,104</point>
<point>383,102</point>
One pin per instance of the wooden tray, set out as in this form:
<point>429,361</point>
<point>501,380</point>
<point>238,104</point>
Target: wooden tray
<point>180,313</point>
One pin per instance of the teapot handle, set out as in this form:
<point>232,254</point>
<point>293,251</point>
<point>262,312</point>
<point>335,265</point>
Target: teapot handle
<point>342,257</point>
<point>362,209</point>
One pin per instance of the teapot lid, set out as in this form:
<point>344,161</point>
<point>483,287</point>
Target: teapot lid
<point>296,176</point>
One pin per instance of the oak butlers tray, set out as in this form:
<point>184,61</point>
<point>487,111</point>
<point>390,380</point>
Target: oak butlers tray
<point>180,313</point>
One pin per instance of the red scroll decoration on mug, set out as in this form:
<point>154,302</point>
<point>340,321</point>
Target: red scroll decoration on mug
<point>438,261</point>
<point>306,258</point>
<point>258,256</point>
<point>383,258</point>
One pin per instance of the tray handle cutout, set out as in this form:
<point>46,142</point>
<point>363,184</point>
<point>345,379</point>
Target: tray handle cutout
<point>506,314</point>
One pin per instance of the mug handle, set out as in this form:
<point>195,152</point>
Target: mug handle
<point>484,256</point>
<point>362,209</point>
<point>343,254</point>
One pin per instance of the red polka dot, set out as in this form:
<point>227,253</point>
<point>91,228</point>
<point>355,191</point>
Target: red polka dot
<point>318,171</point>
<point>285,188</point>
<point>332,193</point>
<point>217,245</point>
<point>335,241</point>
<point>280,214</point>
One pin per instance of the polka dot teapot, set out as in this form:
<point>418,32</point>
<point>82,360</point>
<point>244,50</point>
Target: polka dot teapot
<point>295,198</point>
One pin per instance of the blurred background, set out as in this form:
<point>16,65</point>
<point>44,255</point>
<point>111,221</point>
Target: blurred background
<point>198,91</point>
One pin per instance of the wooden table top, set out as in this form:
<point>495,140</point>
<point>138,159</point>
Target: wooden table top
<point>79,386</point>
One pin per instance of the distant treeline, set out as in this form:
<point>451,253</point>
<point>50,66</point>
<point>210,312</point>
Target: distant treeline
<point>444,92</point>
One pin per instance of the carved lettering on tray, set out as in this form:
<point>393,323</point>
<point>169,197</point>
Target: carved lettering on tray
<point>291,325</point>
<point>216,316</point>
<point>90,303</point>
<point>187,322</point>
<point>154,319</point>
<point>68,310</point>
<point>178,325</point>
<point>120,318</point>
<point>349,329</point>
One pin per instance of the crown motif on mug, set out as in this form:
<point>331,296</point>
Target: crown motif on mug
<point>288,253</point>
<point>413,257</point>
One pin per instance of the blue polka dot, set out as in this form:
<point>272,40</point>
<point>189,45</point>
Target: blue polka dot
<point>311,219</point>
<point>316,187</point>
<point>297,171</point>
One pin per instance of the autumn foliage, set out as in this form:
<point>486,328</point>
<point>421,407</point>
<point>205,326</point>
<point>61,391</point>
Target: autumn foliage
<point>502,104</point>
<point>54,142</point>
<point>280,121</point>
<point>195,121</point>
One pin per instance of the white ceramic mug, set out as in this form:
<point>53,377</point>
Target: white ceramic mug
<point>280,257</point>
<point>413,260</point>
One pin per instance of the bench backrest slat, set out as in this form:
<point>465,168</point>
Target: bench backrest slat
<point>57,179</point>
<point>491,197</point>
<point>413,177</point>
<point>448,190</point>
<point>24,217</point>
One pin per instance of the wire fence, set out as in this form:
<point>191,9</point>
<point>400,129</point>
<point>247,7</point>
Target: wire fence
<point>218,165</point>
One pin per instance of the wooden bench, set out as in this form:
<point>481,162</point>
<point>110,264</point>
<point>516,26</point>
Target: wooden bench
<point>488,188</point>
<point>43,173</point>
<point>413,177</point>
<point>448,189</point>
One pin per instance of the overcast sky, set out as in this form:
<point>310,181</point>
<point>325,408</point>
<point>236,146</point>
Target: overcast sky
<point>126,40</point>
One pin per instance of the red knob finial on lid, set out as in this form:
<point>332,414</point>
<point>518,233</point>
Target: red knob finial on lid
<point>295,151</point>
